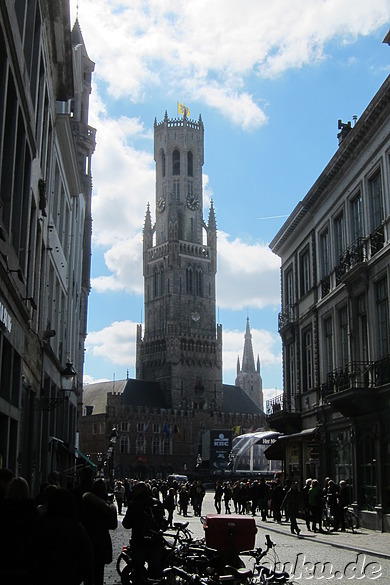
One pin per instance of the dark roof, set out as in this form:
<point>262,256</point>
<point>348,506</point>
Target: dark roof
<point>142,393</point>
<point>149,394</point>
<point>236,400</point>
<point>95,395</point>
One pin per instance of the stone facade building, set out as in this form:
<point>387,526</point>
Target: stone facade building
<point>46,147</point>
<point>334,324</point>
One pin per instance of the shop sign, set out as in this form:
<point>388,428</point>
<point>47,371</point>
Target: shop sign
<point>294,453</point>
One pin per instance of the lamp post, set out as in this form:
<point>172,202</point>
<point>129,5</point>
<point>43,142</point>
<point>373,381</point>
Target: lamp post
<point>99,460</point>
<point>110,455</point>
<point>231,458</point>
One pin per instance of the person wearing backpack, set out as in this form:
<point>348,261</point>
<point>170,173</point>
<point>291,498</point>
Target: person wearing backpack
<point>146,518</point>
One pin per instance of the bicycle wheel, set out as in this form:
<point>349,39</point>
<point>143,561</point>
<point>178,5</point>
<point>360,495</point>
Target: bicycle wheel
<point>351,520</point>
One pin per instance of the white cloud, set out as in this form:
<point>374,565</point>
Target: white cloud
<point>253,268</point>
<point>212,48</point>
<point>115,343</point>
<point>123,179</point>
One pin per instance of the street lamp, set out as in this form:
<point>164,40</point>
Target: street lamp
<point>68,377</point>
<point>231,458</point>
<point>110,454</point>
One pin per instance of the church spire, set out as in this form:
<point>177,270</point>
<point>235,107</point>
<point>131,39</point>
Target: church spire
<point>248,362</point>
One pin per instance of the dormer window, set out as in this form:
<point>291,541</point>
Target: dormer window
<point>176,162</point>
<point>190,164</point>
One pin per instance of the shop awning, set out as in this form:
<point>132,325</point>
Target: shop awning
<point>276,451</point>
<point>306,433</point>
<point>81,455</point>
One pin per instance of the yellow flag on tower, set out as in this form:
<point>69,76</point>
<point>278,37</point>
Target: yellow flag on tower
<point>182,110</point>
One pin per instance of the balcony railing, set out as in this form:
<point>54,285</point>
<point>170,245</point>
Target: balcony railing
<point>377,240</point>
<point>285,317</point>
<point>280,403</point>
<point>358,375</point>
<point>354,254</point>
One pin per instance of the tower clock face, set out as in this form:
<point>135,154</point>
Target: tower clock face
<point>192,202</point>
<point>161,204</point>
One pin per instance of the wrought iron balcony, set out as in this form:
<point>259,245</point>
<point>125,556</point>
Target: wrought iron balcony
<point>352,390</point>
<point>280,403</point>
<point>353,255</point>
<point>286,317</point>
<point>377,240</point>
<point>325,286</point>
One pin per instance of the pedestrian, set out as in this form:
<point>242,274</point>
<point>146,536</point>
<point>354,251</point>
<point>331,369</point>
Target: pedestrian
<point>145,517</point>
<point>218,496</point>
<point>184,498</point>
<point>169,505</point>
<point>306,504</point>
<point>227,496</point>
<point>254,497</point>
<point>263,494</point>
<point>315,502</point>
<point>197,497</point>
<point>18,514</point>
<point>342,502</point>
<point>292,501</point>
<point>119,494</point>
<point>98,518</point>
<point>61,548</point>
<point>277,498</point>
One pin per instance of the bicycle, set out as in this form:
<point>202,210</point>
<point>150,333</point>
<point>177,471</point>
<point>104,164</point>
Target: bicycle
<point>350,519</point>
<point>173,543</point>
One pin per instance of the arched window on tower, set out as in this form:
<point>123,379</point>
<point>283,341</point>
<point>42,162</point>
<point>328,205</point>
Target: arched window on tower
<point>155,283</point>
<point>199,282</point>
<point>189,280</point>
<point>163,163</point>
<point>190,164</point>
<point>176,162</point>
<point>162,282</point>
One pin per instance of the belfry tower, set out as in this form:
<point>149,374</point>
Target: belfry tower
<point>248,377</point>
<point>181,347</point>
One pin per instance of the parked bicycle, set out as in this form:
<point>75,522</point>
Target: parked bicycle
<point>329,520</point>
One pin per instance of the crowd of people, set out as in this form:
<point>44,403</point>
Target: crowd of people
<point>277,502</point>
<point>63,536</point>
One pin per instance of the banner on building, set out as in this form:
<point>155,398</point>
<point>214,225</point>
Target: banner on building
<point>220,447</point>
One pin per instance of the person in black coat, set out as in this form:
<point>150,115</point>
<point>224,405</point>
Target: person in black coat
<point>145,516</point>
<point>98,517</point>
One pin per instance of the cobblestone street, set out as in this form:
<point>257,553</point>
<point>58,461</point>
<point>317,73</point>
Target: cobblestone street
<point>338,548</point>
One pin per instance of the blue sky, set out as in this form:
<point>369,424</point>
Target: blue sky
<point>270,82</point>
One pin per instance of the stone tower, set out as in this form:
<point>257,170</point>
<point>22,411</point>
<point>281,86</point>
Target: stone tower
<point>248,377</point>
<point>181,347</point>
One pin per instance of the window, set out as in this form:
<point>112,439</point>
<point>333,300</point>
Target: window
<point>362,328</point>
<point>324,254</point>
<point>339,229</point>
<point>305,277</point>
<point>383,319</point>
<point>291,370</point>
<point>140,445</point>
<point>289,294</point>
<point>176,190</point>
<point>189,280</point>
<point>176,162</point>
<point>343,324</point>
<point>367,475</point>
<point>141,427</point>
<point>163,169</point>
<point>155,446</point>
<point>124,445</point>
<point>328,337</point>
<point>125,426</point>
<point>190,164</point>
<point>356,218</point>
<point>307,360</point>
<point>199,282</point>
<point>376,205</point>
